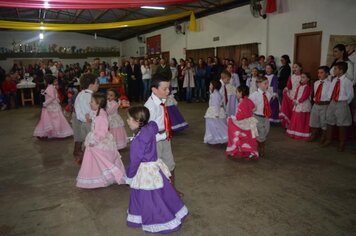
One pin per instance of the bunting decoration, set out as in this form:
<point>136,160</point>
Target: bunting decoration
<point>86,4</point>
<point>97,26</point>
<point>192,23</point>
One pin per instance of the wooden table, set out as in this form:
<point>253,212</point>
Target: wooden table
<point>109,85</point>
<point>22,87</point>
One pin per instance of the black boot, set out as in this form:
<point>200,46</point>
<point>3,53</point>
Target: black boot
<point>314,134</point>
<point>342,138</point>
<point>323,136</point>
<point>78,152</point>
<point>329,136</point>
<point>261,149</point>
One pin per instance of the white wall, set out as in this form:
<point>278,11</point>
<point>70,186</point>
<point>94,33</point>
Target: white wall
<point>235,26</point>
<point>275,34</point>
<point>332,17</point>
<point>63,39</point>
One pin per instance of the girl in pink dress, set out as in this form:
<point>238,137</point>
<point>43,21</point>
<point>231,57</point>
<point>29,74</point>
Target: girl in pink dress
<point>52,124</point>
<point>242,129</point>
<point>102,165</point>
<point>299,125</point>
<point>116,124</point>
<point>289,92</point>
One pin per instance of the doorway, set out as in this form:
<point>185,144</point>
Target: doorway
<point>307,51</point>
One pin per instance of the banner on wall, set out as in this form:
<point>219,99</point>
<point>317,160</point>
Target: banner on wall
<point>154,45</point>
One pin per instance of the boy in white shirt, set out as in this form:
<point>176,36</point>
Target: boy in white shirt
<point>321,102</point>
<point>338,113</point>
<point>80,117</point>
<point>262,112</point>
<point>159,114</point>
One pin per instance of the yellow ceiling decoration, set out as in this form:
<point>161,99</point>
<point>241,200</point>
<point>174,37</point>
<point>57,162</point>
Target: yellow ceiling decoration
<point>97,26</point>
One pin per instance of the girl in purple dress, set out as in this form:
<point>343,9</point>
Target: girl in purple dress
<point>154,204</point>
<point>177,120</point>
<point>273,90</point>
<point>215,117</point>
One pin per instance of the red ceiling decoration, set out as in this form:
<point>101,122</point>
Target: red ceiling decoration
<point>87,4</point>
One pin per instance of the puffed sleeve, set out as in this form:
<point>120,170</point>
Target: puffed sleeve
<point>306,94</point>
<point>136,156</point>
<point>289,83</point>
<point>141,143</point>
<point>50,95</point>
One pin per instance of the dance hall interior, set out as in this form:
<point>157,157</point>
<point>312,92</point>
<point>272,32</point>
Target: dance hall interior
<point>179,117</point>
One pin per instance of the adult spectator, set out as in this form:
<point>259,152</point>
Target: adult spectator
<point>254,61</point>
<point>164,70</point>
<point>340,54</point>
<point>133,74</point>
<point>9,89</point>
<point>200,76</point>
<point>243,71</point>
<point>154,66</point>
<point>283,74</point>
<point>181,67</point>
<point>146,78</point>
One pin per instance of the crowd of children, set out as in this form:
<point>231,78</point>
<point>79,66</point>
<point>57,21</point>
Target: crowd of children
<point>99,133</point>
<point>245,131</point>
<point>238,114</point>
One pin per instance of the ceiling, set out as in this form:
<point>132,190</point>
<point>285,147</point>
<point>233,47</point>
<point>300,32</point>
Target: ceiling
<point>201,8</point>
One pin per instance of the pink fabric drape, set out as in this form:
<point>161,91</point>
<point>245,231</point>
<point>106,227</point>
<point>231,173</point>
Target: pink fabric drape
<point>87,4</point>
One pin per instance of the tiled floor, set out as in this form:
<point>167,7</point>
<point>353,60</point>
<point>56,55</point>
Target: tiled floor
<point>298,189</point>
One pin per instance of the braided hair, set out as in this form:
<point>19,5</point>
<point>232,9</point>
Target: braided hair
<point>140,114</point>
<point>100,99</point>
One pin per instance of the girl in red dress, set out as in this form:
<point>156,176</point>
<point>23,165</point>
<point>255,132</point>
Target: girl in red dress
<point>299,124</point>
<point>242,129</point>
<point>285,114</point>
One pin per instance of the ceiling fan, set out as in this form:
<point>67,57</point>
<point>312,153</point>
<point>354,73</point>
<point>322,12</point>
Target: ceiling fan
<point>257,9</point>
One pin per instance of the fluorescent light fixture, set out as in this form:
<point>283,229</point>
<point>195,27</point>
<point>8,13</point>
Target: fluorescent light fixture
<point>46,4</point>
<point>41,36</point>
<point>153,7</point>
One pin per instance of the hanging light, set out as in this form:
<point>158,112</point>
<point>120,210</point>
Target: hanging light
<point>46,4</point>
<point>41,36</point>
<point>153,8</point>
